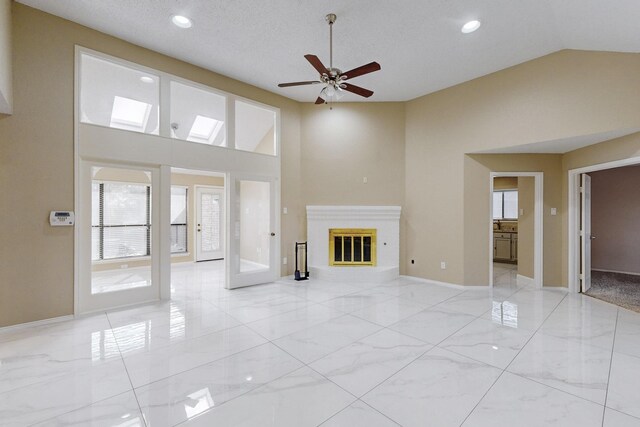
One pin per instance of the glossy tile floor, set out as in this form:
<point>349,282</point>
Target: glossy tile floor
<point>333,354</point>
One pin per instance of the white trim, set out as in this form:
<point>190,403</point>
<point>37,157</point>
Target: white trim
<point>36,323</point>
<point>538,261</point>
<point>615,271</point>
<point>573,213</point>
<point>525,280</point>
<point>445,284</point>
<point>391,213</point>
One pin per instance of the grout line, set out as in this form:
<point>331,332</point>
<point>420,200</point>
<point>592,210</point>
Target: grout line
<point>512,360</point>
<point>613,346</point>
<point>133,390</point>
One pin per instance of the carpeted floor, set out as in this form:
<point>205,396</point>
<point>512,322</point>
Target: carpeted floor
<point>616,288</point>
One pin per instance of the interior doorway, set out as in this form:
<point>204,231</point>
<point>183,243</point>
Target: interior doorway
<point>609,237</point>
<point>515,251</point>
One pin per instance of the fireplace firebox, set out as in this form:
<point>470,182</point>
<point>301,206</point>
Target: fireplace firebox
<point>350,247</point>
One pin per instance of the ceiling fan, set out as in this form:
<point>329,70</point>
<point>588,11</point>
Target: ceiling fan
<point>333,78</point>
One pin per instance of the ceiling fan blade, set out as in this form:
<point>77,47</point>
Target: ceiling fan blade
<point>317,64</point>
<point>363,69</point>
<point>312,82</point>
<point>320,101</point>
<point>357,90</point>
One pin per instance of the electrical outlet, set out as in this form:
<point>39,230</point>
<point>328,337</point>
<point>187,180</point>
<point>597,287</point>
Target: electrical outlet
<point>284,261</point>
<point>365,180</point>
<point>284,211</point>
<point>443,265</point>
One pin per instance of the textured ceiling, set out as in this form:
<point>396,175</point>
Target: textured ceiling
<point>417,42</point>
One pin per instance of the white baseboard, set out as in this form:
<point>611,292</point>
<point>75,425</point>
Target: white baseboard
<point>615,271</point>
<point>447,284</point>
<point>525,280</point>
<point>36,323</point>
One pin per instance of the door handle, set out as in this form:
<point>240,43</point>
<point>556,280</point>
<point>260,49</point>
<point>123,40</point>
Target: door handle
<point>273,234</point>
<point>592,237</point>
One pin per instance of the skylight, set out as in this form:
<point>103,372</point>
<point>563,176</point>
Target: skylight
<point>129,114</point>
<point>204,129</point>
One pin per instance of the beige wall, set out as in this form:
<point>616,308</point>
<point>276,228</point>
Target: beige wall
<point>352,141</point>
<point>526,224</point>
<point>615,210</point>
<point>505,183</point>
<point>6,84</point>
<point>565,94</point>
<point>476,215</point>
<point>413,154</point>
<point>36,158</point>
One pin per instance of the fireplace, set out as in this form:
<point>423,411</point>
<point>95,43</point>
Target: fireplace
<point>352,247</point>
<point>354,243</point>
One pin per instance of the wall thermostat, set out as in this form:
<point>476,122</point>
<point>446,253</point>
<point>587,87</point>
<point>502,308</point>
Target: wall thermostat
<point>61,218</point>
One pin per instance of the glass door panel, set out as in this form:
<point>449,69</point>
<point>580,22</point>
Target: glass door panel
<point>210,224</point>
<point>254,226</point>
<point>118,233</point>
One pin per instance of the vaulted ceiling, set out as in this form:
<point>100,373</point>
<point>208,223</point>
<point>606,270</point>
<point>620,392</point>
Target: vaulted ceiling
<point>417,42</point>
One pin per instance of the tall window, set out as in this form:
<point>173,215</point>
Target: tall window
<point>178,220</point>
<point>505,204</point>
<point>121,220</point>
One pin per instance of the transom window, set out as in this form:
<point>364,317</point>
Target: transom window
<point>123,95</point>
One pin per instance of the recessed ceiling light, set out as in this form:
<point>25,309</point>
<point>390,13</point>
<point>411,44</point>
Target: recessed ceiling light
<point>470,26</point>
<point>146,79</point>
<point>181,21</point>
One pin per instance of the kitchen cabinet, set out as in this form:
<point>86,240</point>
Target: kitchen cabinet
<point>505,247</point>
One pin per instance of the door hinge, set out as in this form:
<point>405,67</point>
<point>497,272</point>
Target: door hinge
<point>582,189</point>
<point>581,277</point>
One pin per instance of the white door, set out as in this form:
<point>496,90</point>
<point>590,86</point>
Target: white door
<point>254,224</point>
<point>119,236</point>
<point>209,223</point>
<point>585,233</point>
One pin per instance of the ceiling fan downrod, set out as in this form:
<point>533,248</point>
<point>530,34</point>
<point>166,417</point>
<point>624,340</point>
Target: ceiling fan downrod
<point>331,18</point>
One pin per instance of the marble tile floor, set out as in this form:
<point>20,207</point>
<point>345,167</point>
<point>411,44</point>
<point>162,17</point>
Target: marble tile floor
<point>406,353</point>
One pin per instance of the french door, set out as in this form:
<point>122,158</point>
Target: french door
<point>253,240</point>
<point>210,225</point>
<point>119,236</point>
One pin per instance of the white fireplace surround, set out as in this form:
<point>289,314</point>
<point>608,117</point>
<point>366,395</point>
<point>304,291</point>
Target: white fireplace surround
<point>385,219</point>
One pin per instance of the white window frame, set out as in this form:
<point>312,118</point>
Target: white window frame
<point>97,143</point>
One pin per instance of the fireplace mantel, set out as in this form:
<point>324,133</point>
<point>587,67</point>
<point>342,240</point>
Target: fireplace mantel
<point>385,219</point>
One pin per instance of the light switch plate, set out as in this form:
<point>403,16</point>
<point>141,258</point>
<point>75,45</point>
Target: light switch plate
<point>554,211</point>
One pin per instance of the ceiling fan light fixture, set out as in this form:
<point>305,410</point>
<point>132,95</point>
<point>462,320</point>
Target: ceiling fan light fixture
<point>471,26</point>
<point>181,21</point>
